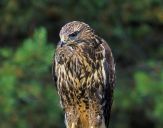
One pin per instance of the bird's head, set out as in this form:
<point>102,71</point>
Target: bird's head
<point>74,32</point>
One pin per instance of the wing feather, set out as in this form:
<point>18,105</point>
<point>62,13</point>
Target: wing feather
<point>110,81</point>
<point>53,71</point>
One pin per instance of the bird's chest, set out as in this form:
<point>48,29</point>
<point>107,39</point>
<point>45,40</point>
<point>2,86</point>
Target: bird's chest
<point>75,72</point>
<point>79,79</point>
<point>80,75</point>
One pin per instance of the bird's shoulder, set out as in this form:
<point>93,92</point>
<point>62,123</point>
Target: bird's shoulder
<point>109,59</point>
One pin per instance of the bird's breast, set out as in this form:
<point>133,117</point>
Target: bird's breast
<point>80,81</point>
<point>78,67</point>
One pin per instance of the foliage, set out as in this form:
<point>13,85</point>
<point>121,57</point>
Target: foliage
<point>143,99</point>
<point>134,32</point>
<point>27,96</point>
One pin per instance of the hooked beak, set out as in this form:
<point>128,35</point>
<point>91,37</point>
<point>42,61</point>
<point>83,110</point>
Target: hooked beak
<point>62,41</point>
<point>65,41</point>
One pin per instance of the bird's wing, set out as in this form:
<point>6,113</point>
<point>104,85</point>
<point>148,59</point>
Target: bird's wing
<point>53,71</point>
<point>109,66</point>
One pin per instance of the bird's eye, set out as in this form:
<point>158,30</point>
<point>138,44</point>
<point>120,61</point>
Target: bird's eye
<point>74,34</point>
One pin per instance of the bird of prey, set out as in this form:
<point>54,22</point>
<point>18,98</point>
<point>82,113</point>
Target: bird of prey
<point>84,72</point>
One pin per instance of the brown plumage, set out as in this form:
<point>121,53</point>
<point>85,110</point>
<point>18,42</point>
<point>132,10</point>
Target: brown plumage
<point>84,72</point>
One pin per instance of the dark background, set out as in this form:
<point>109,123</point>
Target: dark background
<point>29,33</point>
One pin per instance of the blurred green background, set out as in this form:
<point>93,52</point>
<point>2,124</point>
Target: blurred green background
<point>28,37</point>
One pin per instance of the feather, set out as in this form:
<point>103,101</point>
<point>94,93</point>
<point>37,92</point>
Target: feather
<point>84,71</point>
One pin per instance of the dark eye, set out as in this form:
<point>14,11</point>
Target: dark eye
<point>73,34</point>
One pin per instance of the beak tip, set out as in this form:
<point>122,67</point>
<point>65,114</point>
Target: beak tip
<point>62,43</point>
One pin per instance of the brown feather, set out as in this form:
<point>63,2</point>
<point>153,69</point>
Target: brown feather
<point>84,71</point>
